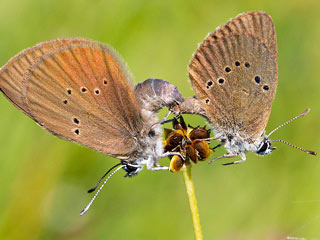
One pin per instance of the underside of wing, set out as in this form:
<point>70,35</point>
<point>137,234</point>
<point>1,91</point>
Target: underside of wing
<point>235,75</point>
<point>11,74</point>
<point>82,92</point>
<point>255,23</point>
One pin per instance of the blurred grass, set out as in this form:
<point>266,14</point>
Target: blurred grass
<point>43,179</point>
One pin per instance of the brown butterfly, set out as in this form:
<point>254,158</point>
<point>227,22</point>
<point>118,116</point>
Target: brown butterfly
<point>234,75</point>
<point>80,90</point>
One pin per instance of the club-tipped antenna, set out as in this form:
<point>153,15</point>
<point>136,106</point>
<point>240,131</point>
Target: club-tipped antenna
<point>98,183</point>
<point>291,145</point>
<point>94,197</point>
<point>292,119</point>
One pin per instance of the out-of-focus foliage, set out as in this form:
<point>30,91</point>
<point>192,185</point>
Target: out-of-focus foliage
<point>43,179</point>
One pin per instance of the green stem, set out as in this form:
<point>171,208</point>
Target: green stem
<point>192,202</point>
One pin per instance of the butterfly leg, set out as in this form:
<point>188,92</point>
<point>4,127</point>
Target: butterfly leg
<point>235,162</point>
<point>167,154</point>
<point>215,147</point>
<point>158,168</point>
<point>166,121</point>
<point>243,159</point>
<point>223,156</point>
<point>165,118</point>
<point>212,138</point>
<point>154,166</point>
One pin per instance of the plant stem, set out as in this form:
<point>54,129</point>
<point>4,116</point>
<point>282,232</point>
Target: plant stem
<point>192,202</point>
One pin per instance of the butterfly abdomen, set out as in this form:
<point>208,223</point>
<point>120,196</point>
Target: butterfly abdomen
<point>191,105</point>
<point>153,94</point>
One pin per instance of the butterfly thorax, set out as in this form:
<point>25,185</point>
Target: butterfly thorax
<point>152,95</point>
<point>149,142</point>
<point>236,144</point>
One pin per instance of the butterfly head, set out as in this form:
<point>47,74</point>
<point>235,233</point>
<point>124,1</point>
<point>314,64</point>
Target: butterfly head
<point>131,168</point>
<point>265,147</point>
<point>149,147</point>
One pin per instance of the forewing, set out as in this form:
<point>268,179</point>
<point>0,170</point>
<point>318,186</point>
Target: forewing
<point>83,93</point>
<point>255,23</point>
<point>235,74</point>
<point>11,74</point>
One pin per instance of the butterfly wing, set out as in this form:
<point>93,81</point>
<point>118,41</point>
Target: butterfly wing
<point>82,92</point>
<point>255,23</point>
<point>11,74</point>
<point>234,74</point>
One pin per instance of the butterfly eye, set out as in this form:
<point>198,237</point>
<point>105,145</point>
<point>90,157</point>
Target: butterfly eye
<point>151,133</point>
<point>131,169</point>
<point>263,148</point>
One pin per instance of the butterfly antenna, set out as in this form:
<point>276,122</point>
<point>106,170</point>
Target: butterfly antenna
<point>304,150</point>
<point>95,187</point>
<point>292,119</point>
<point>105,181</point>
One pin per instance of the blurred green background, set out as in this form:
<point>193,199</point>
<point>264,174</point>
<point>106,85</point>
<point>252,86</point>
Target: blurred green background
<point>43,179</point>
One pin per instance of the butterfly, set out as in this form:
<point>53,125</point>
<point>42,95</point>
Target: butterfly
<point>80,90</point>
<point>234,76</point>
